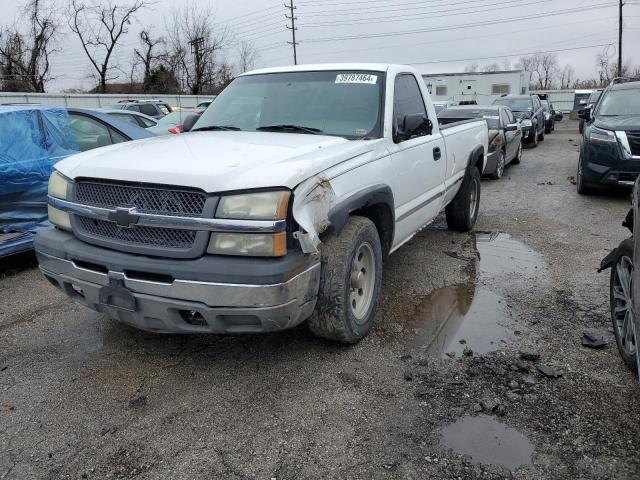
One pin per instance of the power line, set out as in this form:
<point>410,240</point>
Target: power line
<point>519,54</point>
<point>293,29</point>
<point>457,26</point>
<point>413,16</point>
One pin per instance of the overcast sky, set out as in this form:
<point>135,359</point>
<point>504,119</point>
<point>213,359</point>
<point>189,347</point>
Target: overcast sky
<point>434,36</point>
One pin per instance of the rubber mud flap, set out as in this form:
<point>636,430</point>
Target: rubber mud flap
<point>607,261</point>
<point>116,295</point>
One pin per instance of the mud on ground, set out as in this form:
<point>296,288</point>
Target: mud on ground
<point>439,389</point>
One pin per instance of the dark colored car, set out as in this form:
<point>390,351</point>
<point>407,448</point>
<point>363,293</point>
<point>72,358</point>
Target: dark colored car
<point>624,287</point>
<point>610,141</point>
<point>527,109</point>
<point>505,133</point>
<point>589,103</point>
<point>153,108</point>
<point>549,117</point>
<point>32,140</point>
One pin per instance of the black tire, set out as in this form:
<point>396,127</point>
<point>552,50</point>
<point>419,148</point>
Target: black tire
<point>461,216</point>
<point>499,171</point>
<point>541,135</point>
<point>547,130</point>
<point>518,158</point>
<point>334,317</point>
<point>624,250</point>
<point>581,187</point>
<point>534,142</point>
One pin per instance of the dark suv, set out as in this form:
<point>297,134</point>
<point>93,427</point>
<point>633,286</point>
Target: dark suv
<point>610,142</point>
<point>153,108</point>
<point>528,110</point>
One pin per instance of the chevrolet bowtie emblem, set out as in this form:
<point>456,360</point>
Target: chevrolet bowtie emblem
<point>124,217</point>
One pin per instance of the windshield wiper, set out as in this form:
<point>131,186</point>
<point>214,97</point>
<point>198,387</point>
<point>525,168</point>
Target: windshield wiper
<point>215,127</point>
<point>289,128</point>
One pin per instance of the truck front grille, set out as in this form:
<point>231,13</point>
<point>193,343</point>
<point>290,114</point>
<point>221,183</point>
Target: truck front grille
<point>158,200</point>
<point>143,236</point>
<point>634,142</point>
<point>146,199</point>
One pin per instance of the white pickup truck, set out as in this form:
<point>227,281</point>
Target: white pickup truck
<point>279,206</point>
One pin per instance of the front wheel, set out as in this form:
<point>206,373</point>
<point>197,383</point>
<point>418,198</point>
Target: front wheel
<point>581,186</point>
<point>349,282</point>
<point>620,288</point>
<point>541,136</point>
<point>462,212</point>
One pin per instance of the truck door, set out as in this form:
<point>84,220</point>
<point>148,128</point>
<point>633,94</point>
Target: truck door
<point>419,163</point>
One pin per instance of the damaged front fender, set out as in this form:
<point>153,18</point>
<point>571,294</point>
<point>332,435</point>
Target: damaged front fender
<point>314,199</point>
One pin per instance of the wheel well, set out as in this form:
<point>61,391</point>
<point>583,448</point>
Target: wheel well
<point>477,159</point>
<point>382,217</point>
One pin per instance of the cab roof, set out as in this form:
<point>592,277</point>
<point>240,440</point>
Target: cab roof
<point>373,67</point>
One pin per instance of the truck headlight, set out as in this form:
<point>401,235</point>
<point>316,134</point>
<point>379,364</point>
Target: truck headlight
<point>58,188</point>
<point>600,136</point>
<point>250,244</point>
<point>254,206</point>
<point>526,122</point>
<point>271,205</point>
<point>58,185</point>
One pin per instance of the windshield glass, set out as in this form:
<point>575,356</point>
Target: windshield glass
<point>339,103</point>
<point>491,116</point>
<point>174,118</point>
<point>516,104</point>
<point>620,102</point>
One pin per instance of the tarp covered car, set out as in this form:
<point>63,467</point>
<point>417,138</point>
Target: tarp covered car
<point>32,140</point>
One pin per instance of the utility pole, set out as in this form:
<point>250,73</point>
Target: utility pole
<point>621,4</point>
<point>293,29</point>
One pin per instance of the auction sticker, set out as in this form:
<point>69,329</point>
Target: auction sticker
<point>356,78</point>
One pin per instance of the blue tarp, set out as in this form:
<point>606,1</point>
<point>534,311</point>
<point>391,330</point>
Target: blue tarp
<point>32,140</point>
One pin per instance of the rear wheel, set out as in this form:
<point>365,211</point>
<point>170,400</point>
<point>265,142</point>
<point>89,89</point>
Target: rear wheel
<point>462,212</point>
<point>349,282</point>
<point>621,304</point>
<point>518,158</point>
<point>499,171</point>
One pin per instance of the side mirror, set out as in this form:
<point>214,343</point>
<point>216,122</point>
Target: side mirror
<point>414,125</point>
<point>512,127</point>
<point>189,121</point>
<point>585,114</point>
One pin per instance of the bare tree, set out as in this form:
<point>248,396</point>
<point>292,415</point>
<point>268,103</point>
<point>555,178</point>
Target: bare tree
<point>528,64</point>
<point>24,57</point>
<point>247,56</point>
<point>474,67</point>
<point>195,43</point>
<point>100,24</point>
<point>604,65</point>
<point>567,76</point>
<point>506,64</point>
<point>492,67</point>
<point>146,54</point>
<point>547,69</point>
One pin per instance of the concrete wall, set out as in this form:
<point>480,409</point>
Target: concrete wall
<point>478,86</point>
<point>95,100</point>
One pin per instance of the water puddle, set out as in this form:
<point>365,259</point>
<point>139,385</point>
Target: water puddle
<point>475,315</point>
<point>486,440</point>
<point>453,318</point>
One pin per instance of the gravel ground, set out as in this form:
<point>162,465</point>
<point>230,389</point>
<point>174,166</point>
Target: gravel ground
<point>439,390</point>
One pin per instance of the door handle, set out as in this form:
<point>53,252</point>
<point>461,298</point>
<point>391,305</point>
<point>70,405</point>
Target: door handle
<point>437,154</point>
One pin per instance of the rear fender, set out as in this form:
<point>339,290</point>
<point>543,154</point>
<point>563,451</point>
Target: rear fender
<point>607,262</point>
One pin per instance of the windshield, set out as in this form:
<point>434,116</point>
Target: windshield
<point>491,116</point>
<point>339,103</point>
<point>516,104</point>
<point>620,102</point>
<point>174,118</point>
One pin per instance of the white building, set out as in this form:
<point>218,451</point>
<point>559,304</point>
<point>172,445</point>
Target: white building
<point>483,87</point>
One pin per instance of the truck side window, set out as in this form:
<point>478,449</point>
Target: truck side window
<point>407,99</point>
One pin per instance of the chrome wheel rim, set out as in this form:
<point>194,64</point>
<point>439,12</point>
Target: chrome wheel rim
<point>362,281</point>
<point>622,305</point>
<point>473,203</point>
<point>500,166</point>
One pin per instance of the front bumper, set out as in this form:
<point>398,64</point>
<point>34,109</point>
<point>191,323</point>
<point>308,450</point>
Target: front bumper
<point>210,294</point>
<point>604,165</point>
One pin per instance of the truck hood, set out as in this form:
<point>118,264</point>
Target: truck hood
<point>627,122</point>
<point>217,161</point>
